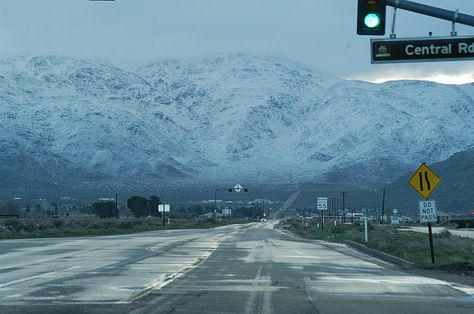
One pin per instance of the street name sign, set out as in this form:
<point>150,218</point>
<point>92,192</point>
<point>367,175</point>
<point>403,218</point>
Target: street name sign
<point>424,181</point>
<point>322,203</point>
<point>163,208</point>
<point>428,49</point>
<point>428,211</point>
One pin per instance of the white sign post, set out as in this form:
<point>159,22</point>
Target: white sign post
<point>163,208</point>
<point>322,206</point>
<point>428,214</point>
<point>322,203</point>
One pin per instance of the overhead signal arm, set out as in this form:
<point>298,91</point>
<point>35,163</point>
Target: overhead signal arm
<point>424,9</point>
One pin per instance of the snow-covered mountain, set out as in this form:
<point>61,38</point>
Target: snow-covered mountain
<point>223,118</point>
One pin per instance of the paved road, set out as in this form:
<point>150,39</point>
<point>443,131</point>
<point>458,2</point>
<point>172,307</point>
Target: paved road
<point>285,206</point>
<point>238,269</point>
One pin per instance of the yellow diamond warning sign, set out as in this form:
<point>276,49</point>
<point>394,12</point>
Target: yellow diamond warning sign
<point>424,180</point>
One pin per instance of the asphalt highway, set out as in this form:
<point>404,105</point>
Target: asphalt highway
<point>251,268</point>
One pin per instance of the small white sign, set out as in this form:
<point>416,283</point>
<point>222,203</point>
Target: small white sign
<point>163,208</point>
<point>395,210</point>
<point>238,188</point>
<point>428,211</point>
<point>322,203</point>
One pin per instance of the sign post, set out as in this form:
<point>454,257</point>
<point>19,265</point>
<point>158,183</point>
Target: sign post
<point>428,215</point>
<point>424,181</point>
<point>163,208</point>
<point>322,206</point>
<point>366,234</point>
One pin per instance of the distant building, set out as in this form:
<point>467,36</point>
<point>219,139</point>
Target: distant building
<point>106,199</point>
<point>211,201</point>
<point>211,215</point>
<point>443,217</point>
<point>227,212</point>
<point>260,201</point>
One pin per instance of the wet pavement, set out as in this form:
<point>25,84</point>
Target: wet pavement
<point>236,269</point>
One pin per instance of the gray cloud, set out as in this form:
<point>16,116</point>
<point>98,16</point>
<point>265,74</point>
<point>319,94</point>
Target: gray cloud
<point>318,33</point>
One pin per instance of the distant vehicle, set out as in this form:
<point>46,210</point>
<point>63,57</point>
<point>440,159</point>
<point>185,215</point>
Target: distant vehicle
<point>263,220</point>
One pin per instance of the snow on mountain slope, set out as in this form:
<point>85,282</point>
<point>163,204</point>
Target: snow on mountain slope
<point>222,118</point>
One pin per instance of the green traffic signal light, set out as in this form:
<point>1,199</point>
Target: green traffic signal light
<point>372,20</point>
<point>371,17</point>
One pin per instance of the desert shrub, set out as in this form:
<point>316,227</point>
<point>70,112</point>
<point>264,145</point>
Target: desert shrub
<point>126,224</point>
<point>443,234</point>
<point>57,223</point>
<point>12,224</point>
<point>30,225</point>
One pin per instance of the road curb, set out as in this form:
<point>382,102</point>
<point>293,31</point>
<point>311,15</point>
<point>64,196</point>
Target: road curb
<point>380,255</point>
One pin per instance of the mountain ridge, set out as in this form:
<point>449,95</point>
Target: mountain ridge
<point>222,118</point>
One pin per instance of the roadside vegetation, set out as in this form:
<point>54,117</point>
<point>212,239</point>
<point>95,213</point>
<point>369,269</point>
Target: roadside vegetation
<point>105,217</point>
<point>71,226</point>
<point>451,252</point>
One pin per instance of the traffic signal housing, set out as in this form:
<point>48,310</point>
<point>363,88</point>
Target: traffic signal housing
<point>371,17</point>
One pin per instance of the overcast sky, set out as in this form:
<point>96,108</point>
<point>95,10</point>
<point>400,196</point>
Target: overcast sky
<point>318,33</point>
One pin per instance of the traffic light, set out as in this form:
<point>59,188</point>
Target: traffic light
<point>371,17</point>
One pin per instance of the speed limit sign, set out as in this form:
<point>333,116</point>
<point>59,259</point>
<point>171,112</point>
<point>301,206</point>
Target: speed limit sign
<point>322,203</point>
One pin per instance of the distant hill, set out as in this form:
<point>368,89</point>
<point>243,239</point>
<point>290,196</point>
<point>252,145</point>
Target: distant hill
<point>455,193</point>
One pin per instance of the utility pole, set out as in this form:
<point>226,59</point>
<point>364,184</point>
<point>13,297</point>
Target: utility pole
<point>331,210</point>
<point>116,205</point>
<point>163,215</point>
<point>383,205</point>
<point>215,203</point>
<point>344,207</point>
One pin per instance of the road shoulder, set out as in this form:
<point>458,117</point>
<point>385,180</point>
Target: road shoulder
<point>390,261</point>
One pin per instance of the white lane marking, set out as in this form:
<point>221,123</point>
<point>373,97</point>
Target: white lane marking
<point>267,303</point>
<point>48,274</point>
<point>159,283</point>
<point>308,283</point>
<point>250,304</point>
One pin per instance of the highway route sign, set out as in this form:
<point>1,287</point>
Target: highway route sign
<point>322,203</point>
<point>238,188</point>
<point>428,211</point>
<point>424,181</point>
